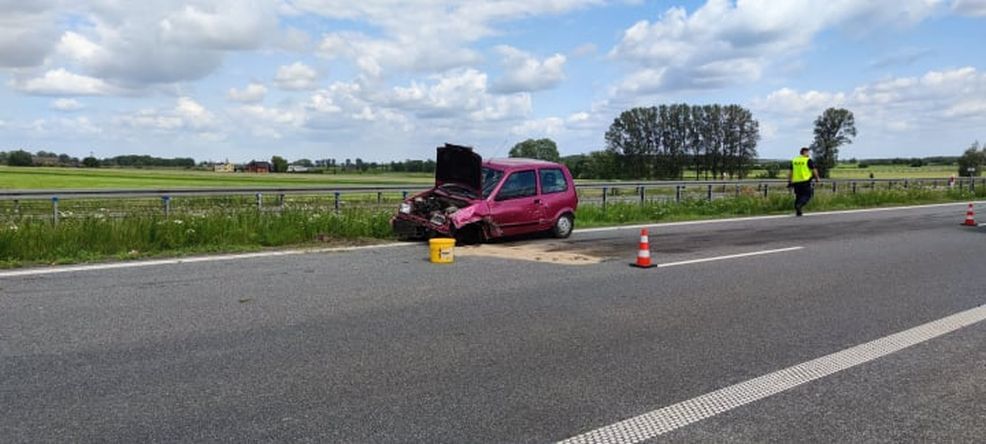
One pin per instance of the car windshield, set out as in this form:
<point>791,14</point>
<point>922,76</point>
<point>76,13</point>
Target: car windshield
<point>491,177</point>
<point>455,188</point>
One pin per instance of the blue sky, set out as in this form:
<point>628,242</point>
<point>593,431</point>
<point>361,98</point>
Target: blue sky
<point>387,80</point>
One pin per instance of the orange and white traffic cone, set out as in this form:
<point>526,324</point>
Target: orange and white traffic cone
<point>970,217</point>
<point>643,253</point>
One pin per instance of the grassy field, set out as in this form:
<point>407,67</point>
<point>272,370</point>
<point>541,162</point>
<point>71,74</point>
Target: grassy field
<point>83,178</point>
<point>894,172</point>
<point>31,241</point>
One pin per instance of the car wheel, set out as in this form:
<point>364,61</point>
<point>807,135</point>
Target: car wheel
<point>469,235</point>
<point>563,226</point>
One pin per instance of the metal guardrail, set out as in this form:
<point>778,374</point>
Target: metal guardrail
<point>208,192</point>
<point>30,202</point>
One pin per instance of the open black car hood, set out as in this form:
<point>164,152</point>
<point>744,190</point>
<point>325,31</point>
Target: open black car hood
<point>459,165</point>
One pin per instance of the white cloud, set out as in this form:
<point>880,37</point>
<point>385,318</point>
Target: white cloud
<point>253,93</point>
<point>555,126</point>
<point>187,114</point>
<point>524,72</point>
<point>422,36</point>
<point>220,25</point>
<point>66,105</point>
<point>134,45</point>
<point>270,122</point>
<point>296,77</point>
<point>723,43</point>
<point>458,94</point>
<point>60,82</point>
<point>27,32</point>
<point>970,7</point>
<point>939,102</point>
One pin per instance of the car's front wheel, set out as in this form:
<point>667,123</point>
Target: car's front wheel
<point>563,226</point>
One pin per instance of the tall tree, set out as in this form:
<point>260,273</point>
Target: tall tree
<point>544,149</point>
<point>279,163</point>
<point>972,161</point>
<point>634,137</point>
<point>834,128</point>
<point>20,158</point>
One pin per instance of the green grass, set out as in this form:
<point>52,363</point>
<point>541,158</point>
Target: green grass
<point>781,203</point>
<point>95,238</point>
<point>84,178</point>
<point>229,226</point>
<point>847,171</point>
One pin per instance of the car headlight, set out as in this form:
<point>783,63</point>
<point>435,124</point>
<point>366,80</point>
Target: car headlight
<point>405,208</point>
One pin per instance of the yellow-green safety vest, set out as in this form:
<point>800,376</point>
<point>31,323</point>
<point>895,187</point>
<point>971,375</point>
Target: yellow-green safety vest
<point>799,170</point>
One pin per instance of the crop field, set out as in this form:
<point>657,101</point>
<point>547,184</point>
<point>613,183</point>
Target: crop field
<point>83,178</point>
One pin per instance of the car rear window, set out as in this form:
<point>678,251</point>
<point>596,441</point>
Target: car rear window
<point>553,181</point>
<point>519,184</point>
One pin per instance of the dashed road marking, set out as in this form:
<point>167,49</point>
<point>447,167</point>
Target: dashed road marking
<point>658,422</point>
<point>730,256</point>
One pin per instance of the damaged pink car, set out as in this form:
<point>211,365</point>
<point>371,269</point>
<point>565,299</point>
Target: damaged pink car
<point>475,200</point>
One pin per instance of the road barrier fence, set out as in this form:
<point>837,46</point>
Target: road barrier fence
<point>60,204</point>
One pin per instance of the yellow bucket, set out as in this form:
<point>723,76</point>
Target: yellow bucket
<point>441,250</point>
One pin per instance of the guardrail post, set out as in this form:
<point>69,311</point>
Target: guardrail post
<point>379,198</point>
<point>280,201</point>
<point>54,210</point>
<point>972,184</point>
<point>404,195</point>
<point>641,191</point>
<point>677,193</point>
<point>166,201</point>
<point>905,184</point>
<point>605,192</point>
<point>766,187</point>
<point>737,190</point>
<point>835,187</point>
<point>709,194</point>
<point>17,206</point>
<point>854,187</point>
<point>336,205</point>
<point>260,201</point>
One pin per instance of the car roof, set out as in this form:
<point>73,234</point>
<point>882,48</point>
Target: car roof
<point>516,163</point>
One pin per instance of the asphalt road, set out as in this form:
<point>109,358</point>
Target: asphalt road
<point>379,345</point>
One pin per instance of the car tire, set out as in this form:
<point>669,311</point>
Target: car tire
<point>563,226</point>
<point>469,235</point>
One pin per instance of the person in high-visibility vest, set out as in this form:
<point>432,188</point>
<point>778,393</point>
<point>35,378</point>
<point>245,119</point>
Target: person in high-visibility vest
<point>799,177</point>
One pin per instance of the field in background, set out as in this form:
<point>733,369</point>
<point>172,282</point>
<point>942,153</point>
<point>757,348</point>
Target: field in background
<point>894,172</point>
<point>83,178</point>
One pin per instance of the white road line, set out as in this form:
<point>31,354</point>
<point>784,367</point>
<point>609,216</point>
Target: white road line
<point>189,260</point>
<point>731,256</point>
<point>755,218</point>
<point>658,422</point>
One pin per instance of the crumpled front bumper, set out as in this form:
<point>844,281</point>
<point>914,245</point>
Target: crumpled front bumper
<point>408,226</point>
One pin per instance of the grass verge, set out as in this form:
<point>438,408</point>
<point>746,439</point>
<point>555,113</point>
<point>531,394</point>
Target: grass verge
<point>73,240</point>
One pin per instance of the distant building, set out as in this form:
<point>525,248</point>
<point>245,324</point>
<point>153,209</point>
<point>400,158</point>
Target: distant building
<point>223,167</point>
<point>259,167</point>
<point>297,169</point>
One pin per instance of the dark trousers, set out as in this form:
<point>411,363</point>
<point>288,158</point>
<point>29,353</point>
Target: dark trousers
<point>802,192</point>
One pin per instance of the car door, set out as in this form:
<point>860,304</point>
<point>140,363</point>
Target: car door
<point>516,208</point>
<point>554,194</point>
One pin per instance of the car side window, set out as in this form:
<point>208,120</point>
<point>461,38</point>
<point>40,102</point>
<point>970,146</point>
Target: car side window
<point>553,181</point>
<point>519,184</point>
